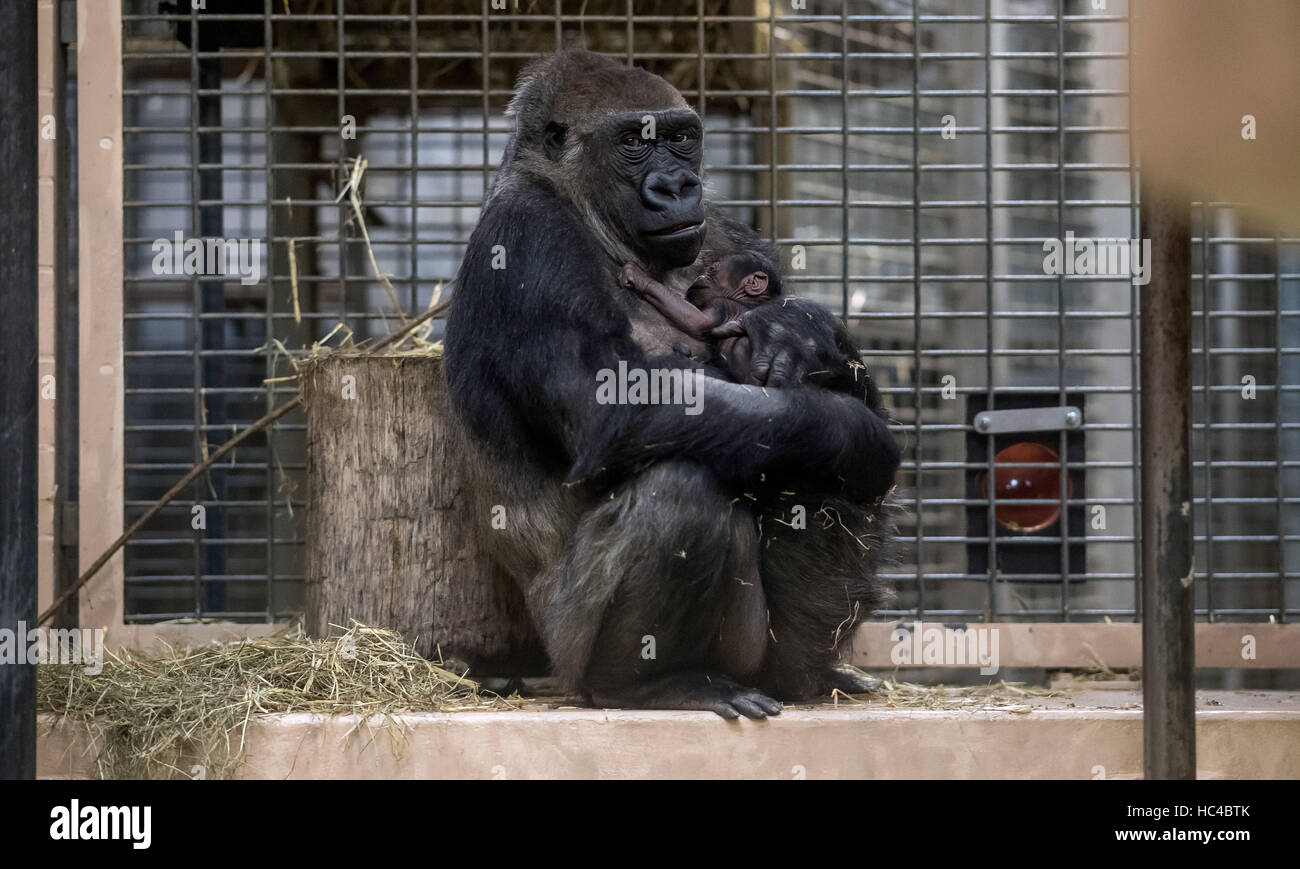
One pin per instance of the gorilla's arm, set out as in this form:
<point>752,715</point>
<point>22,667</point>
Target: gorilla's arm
<point>527,342</point>
<point>676,310</point>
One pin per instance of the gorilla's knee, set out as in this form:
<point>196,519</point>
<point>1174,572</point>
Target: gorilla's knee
<point>674,517</point>
<point>686,495</point>
<point>680,560</point>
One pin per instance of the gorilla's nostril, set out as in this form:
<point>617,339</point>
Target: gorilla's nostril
<point>668,188</point>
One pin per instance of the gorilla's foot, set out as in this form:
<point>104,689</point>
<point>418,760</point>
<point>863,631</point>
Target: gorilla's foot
<point>850,680</point>
<point>710,691</point>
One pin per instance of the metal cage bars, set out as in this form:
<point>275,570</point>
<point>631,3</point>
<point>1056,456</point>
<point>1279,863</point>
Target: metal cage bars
<point>863,161</point>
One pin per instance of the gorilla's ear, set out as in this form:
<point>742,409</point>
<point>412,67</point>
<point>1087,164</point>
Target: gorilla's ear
<point>755,283</point>
<point>553,141</point>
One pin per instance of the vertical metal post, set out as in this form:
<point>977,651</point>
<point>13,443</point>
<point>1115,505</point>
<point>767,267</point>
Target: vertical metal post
<point>1208,303</point>
<point>345,218</point>
<point>1063,442</point>
<point>844,165</point>
<point>773,145</point>
<point>918,298</point>
<point>268,180</point>
<point>67,456</point>
<point>1168,649</point>
<point>1135,407</point>
<point>990,305</point>
<point>211,595</point>
<point>18,297</point>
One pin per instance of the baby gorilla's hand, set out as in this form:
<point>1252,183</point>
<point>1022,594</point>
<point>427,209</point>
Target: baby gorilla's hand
<point>633,277</point>
<point>731,329</point>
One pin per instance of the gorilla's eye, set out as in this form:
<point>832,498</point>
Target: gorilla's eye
<point>633,142</point>
<point>681,137</point>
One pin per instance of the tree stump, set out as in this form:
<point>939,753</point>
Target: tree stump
<point>390,534</point>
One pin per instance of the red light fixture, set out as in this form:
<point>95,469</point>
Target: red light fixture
<point>1014,483</point>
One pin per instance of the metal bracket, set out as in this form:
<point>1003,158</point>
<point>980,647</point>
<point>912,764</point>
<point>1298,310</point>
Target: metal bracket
<point>1028,419</point>
<point>68,525</point>
<point>68,22</point>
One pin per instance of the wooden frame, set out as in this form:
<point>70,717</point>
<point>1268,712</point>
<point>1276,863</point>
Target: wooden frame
<point>101,408</point>
<point>102,402</point>
<point>100,271</point>
<point>1087,645</point>
<point>47,71</point>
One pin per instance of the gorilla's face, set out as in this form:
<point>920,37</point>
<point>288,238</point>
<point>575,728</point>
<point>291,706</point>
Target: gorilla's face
<point>654,201</point>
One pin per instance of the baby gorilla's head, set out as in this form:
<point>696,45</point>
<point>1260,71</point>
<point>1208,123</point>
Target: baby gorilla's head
<point>747,277</point>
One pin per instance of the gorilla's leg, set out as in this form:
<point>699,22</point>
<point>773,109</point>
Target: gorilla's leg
<point>820,582</point>
<point>740,642</point>
<point>656,603</point>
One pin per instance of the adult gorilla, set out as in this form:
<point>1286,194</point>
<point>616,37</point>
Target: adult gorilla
<point>652,545</point>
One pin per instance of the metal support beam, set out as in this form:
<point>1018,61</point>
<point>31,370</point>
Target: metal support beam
<point>1168,647</point>
<point>19,221</point>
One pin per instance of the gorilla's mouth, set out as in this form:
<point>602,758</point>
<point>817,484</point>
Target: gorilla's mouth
<point>684,228</point>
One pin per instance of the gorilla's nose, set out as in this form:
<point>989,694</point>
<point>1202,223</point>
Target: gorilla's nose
<point>678,189</point>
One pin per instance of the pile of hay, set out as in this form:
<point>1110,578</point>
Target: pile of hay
<point>993,697</point>
<point>157,717</point>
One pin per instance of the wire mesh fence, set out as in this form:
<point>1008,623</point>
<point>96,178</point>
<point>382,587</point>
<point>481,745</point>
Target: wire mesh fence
<point>910,160</point>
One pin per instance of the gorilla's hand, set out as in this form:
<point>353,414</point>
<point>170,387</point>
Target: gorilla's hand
<point>792,340</point>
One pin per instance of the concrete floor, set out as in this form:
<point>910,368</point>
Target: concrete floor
<point>1080,732</point>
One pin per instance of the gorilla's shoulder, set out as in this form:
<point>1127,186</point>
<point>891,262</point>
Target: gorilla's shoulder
<point>520,193</point>
<point>529,217</point>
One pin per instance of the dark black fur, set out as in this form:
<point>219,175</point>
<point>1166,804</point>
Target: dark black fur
<point>627,522</point>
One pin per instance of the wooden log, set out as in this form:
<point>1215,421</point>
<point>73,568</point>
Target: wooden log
<point>389,536</point>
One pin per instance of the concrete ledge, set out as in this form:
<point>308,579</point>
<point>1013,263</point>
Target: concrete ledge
<point>157,637</point>
<point>1065,645</point>
<point>1085,735</point>
<point>1081,645</point>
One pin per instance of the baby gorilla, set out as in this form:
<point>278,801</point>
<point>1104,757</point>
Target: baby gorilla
<point>714,304</point>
